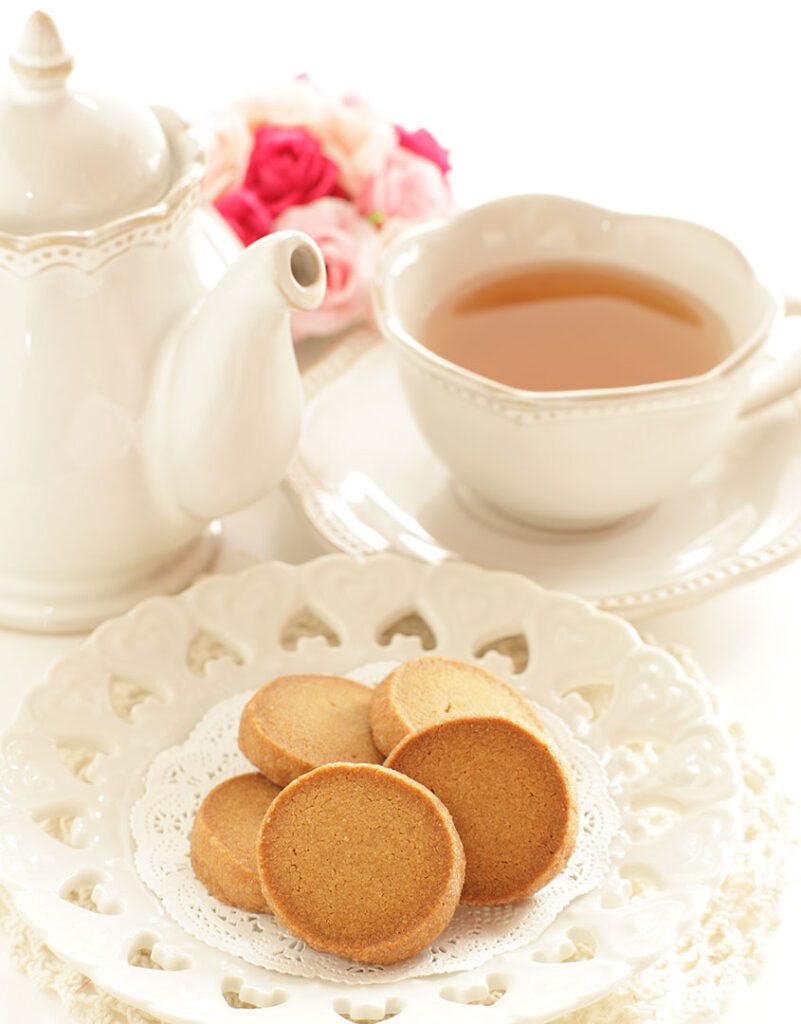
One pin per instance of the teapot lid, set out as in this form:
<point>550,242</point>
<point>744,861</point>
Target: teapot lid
<point>72,160</point>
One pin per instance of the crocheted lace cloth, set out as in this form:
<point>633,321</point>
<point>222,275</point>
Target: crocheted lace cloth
<point>715,958</point>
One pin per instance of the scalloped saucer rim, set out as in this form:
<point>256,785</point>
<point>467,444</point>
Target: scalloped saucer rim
<point>736,519</point>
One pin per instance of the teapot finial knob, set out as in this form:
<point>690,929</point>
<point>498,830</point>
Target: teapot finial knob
<point>41,60</point>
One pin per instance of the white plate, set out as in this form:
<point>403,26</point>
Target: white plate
<point>669,760</point>
<point>368,482</point>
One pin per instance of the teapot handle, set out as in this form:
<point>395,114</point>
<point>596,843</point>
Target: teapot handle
<point>781,377</point>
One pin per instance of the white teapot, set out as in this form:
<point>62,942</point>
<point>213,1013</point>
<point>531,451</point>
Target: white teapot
<point>148,383</point>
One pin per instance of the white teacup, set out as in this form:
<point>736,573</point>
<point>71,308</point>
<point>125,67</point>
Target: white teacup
<point>576,459</point>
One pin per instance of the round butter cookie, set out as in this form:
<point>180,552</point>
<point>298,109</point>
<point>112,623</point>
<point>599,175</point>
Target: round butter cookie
<point>361,862</point>
<point>424,691</point>
<point>296,723</point>
<point>224,837</point>
<point>511,798</point>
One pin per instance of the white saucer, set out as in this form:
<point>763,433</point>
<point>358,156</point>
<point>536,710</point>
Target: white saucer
<point>368,482</point>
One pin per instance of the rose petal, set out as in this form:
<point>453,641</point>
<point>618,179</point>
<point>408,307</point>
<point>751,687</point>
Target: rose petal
<point>249,218</point>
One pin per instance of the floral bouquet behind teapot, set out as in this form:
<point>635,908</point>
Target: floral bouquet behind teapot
<point>295,157</point>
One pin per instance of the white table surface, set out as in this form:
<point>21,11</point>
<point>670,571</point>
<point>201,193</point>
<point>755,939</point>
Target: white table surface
<point>676,107</point>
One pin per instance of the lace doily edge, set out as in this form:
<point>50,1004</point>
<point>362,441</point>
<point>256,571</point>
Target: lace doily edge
<point>577,751</point>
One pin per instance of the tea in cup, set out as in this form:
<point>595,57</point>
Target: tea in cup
<point>572,365</point>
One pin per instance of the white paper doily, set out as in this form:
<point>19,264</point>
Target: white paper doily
<point>180,777</point>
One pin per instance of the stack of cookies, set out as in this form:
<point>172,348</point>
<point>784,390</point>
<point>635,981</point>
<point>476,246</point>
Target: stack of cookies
<point>375,812</point>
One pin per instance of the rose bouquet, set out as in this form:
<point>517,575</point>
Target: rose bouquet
<point>297,158</point>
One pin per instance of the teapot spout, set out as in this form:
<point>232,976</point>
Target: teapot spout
<point>230,394</point>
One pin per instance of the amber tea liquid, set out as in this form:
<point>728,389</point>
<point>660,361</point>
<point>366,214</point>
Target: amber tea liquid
<point>576,325</point>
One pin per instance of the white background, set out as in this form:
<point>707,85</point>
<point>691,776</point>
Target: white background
<point>691,109</point>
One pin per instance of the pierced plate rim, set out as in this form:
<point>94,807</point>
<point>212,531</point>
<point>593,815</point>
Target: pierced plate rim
<point>147,637</point>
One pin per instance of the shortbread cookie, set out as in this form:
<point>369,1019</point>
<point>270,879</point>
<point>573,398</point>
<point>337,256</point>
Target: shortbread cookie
<point>424,691</point>
<point>224,837</point>
<point>362,862</point>
<point>296,723</point>
<point>511,798</point>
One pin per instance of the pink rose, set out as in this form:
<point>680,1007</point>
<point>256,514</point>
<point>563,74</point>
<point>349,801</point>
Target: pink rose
<point>246,214</point>
<point>424,144</point>
<point>227,139</point>
<point>347,243</point>
<point>408,187</point>
<point>287,168</point>
<point>358,139</point>
<point>350,132</point>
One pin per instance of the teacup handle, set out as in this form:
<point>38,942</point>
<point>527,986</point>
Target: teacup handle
<point>779,379</point>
